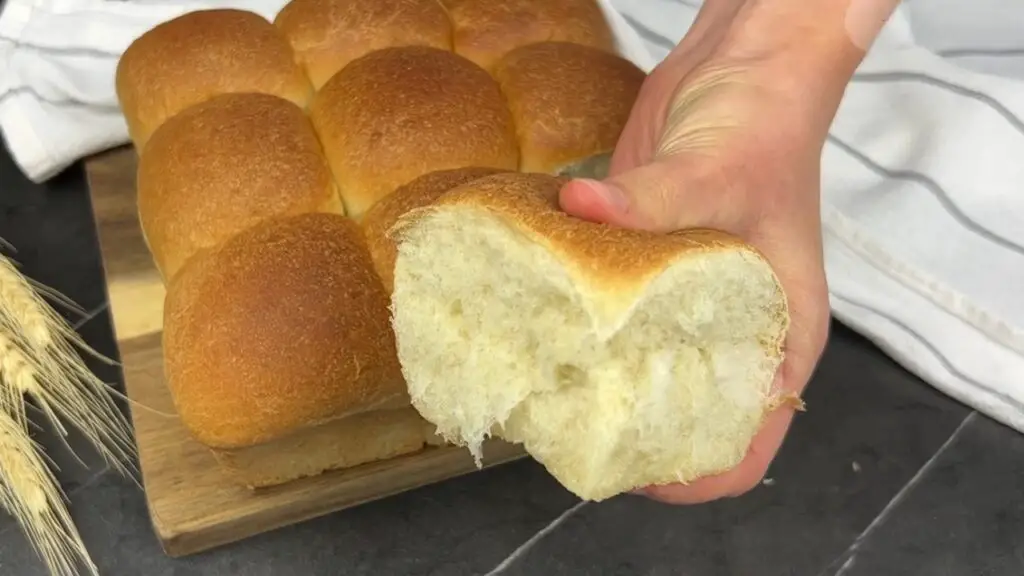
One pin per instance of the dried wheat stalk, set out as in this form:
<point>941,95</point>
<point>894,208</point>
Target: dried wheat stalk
<point>30,493</point>
<point>39,360</point>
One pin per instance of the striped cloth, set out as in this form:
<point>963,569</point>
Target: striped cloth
<point>923,172</point>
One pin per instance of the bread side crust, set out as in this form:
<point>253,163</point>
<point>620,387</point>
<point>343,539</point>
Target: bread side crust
<point>339,444</point>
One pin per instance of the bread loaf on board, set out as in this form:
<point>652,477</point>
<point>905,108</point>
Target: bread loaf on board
<point>618,358</point>
<point>202,54</point>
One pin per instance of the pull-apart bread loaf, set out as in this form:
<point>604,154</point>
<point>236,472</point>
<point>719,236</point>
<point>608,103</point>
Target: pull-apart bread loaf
<point>421,192</point>
<point>486,30</point>
<point>202,54</point>
<point>399,113</point>
<point>221,166</point>
<point>570,103</point>
<point>262,144</point>
<point>328,34</point>
<point>279,355</point>
<point>618,358</point>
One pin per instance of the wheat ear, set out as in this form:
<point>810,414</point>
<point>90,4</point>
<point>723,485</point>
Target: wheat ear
<point>38,358</point>
<point>31,494</point>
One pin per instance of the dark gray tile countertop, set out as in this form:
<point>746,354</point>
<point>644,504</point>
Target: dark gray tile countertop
<point>882,476</point>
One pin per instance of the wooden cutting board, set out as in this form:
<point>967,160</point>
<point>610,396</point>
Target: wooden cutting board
<point>194,506</point>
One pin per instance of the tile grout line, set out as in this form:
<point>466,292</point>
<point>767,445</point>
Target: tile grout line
<point>526,546</point>
<point>916,479</point>
<point>90,315</point>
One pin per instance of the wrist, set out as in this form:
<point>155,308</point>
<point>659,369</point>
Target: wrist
<point>806,50</point>
<point>847,25</point>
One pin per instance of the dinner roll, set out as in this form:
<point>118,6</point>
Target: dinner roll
<point>618,358</point>
<point>198,55</point>
<point>399,113</point>
<point>281,328</point>
<point>569,103</point>
<point>328,34</point>
<point>221,166</point>
<point>485,30</point>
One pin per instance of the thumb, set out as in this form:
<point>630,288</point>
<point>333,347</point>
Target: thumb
<point>652,197</point>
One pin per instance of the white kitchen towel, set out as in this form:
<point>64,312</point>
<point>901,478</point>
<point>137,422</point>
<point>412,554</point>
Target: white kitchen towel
<point>923,174</point>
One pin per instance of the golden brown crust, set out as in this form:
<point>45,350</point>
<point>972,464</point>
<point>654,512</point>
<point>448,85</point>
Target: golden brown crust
<point>610,256</point>
<point>220,167</point>
<point>569,102</point>
<point>486,30</point>
<point>202,54</point>
<point>341,443</point>
<point>398,113</point>
<point>328,34</point>
<point>419,193</point>
<point>283,327</point>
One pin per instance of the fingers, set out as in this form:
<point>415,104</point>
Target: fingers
<point>795,255</point>
<point>805,342</point>
<point>594,201</point>
<point>654,197</point>
<point>643,198</point>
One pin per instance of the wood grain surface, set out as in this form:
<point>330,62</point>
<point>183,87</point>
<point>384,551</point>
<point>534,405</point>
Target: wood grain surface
<point>194,505</point>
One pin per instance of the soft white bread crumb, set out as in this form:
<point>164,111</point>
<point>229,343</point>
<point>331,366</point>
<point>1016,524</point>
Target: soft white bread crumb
<point>619,359</point>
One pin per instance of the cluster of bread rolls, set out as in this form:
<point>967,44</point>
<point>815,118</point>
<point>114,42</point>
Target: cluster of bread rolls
<point>274,157</point>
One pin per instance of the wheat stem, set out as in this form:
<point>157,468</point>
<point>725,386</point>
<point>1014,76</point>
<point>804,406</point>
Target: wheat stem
<point>39,359</point>
<point>53,373</point>
<point>31,494</point>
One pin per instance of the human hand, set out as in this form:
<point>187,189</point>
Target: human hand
<point>724,135</point>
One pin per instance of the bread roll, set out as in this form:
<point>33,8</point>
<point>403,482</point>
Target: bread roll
<point>224,165</point>
<point>618,358</point>
<point>399,113</point>
<point>420,192</point>
<point>202,54</point>
<point>282,329</point>
<point>485,30</point>
<point>328,34</point>
<point>569,103</point>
